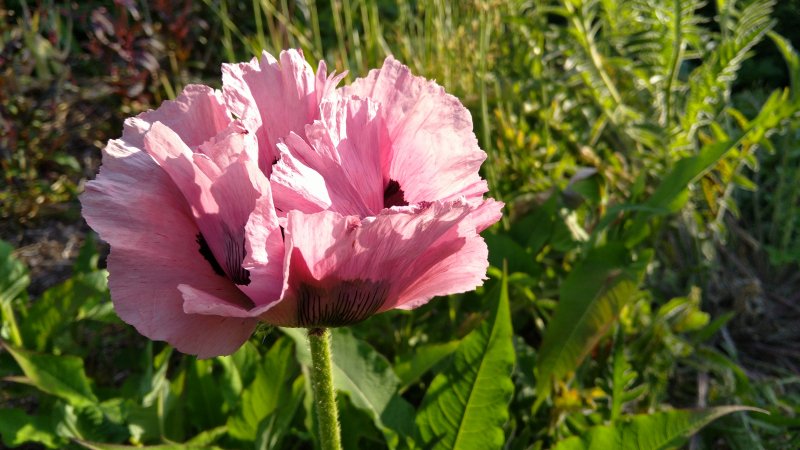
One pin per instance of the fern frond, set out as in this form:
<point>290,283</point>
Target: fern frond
<point>710,83</point>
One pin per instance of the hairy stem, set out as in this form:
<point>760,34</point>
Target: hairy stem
<point>319,339</point>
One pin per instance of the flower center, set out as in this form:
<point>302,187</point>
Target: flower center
<point>393,195</point>
<point>346,303</point>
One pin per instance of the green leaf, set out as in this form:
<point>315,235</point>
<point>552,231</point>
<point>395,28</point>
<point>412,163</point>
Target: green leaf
<point>409,368</point>
<point>101,446</point>
<point>208,437</point>
<point>657,431</point>
<point>13,281</point>
<point>13,274</point>
<point>60,306</point>
<point>62,376</point>
<point>672,193</point>
<point>268,393</point>
<point>272,431</point>
<point>17,428</point>
<point>792,61</point>
<point>503,248</point>
<point>590,299</point>
<point>466,405</point>
<point>367,377</point>
<point>205,403</point>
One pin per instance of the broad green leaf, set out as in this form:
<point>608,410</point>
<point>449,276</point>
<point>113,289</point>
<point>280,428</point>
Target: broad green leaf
<point>367,377</point>
<point>61,305</point>
<point>590,299</point>
<point>17,428</point>
<point>357,428</point>
<point>268,392</point>
<point>409,368</point>
<point>466,406</point>
<point>246,360</point>
<point>272,431</point>
<point>62,376</point>
<point>657,431</point>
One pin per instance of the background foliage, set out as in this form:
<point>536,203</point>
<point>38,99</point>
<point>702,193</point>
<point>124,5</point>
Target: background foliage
<point>643,280</point>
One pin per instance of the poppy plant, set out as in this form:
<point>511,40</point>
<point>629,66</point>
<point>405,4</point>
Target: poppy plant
<point>285,200</point>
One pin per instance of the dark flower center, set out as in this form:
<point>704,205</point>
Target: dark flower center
<point>393,195</point>
<point>346,303</point>
<point>234,255</point>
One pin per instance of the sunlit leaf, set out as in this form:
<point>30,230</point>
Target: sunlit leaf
<point>367,377</point>
<point>657,431</point>
<point>17,427</point>
<point>268,392</point>
<point>466,405</point>
<point>62,376</point>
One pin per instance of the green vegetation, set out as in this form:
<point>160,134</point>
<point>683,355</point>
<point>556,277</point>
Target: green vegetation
<point>644,278</point>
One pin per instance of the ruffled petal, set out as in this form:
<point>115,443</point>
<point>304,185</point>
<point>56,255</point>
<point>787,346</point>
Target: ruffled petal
<point>436,155</point>
<point>134,206</point>
<point>222,203</point>
<point>326,83</point>
<point>486,213</point>
<point>297,186</point>
<point>456,263</point>
<point>342,269</point>
<point>144,290</point>
<point>273,99</point>
<point>227,147</point>
<point>196,115</point>
<point>344,147</point>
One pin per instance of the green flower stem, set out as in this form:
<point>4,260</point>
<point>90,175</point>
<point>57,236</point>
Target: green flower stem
<point>319,339</point>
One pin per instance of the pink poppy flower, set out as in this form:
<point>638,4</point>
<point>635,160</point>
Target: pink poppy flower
<point>314,207</point>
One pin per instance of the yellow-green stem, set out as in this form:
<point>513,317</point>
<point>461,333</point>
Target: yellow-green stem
<point>319,339</point>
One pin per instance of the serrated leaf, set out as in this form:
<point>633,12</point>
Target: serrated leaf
<point>657,431</point>
<point>17,428</point>
<point>367,377</point>
<point>671,194</point>
<point>270,389</point>
<point>466,405</point>
<point>590,299</point>
<point>62,376</point>
<point>61,305</point>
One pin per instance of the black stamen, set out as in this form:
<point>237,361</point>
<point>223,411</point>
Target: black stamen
<point>393,195</point>
<point>234,255</point>
<point>205,250</point>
